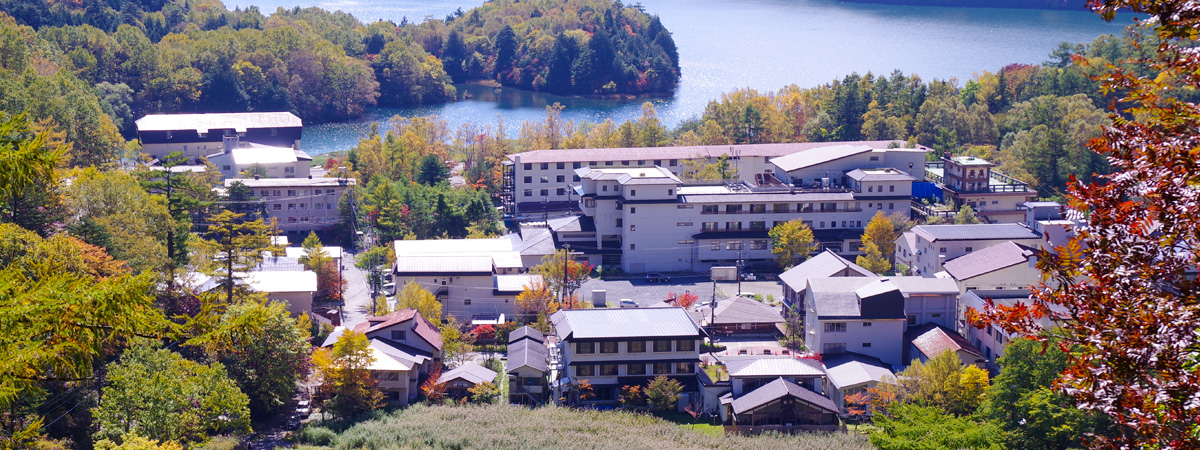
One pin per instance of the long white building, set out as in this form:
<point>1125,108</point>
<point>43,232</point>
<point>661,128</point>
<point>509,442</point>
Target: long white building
<point>299,204</point>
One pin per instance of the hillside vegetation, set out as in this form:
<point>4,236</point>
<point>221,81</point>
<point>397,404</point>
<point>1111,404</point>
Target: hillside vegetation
<point>513,427</point>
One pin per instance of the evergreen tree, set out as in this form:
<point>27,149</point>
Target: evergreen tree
<point>505,45</point>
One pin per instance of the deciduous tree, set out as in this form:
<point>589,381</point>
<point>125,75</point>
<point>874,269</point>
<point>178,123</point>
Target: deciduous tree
<point>416,297</point>
<point>792,242</point>
<point>562,273</point>
<point>536,299</point>
<point>235,247</point>
<point>663,392</point>
<point>347,388</point>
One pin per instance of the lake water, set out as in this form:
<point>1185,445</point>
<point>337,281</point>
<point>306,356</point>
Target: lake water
<point>761,44</point>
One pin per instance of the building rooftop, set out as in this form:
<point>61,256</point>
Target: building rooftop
<point>932,339</point>
<point>443,264</point>
<point>514,283</point>
<point>292,182</point>
<point>388,358</point>
<point>262,155</point>
<point>968,232</point>
<point>470,372</point>
<point>527,353</point>
<point>501,252</point>
<point>624,323</point>
<point>778,389</point>
<point>825,264</point>
<point>526,332</point>
<point>971,161</point>
<point>215,121</point>
<point>630,176</point>
<point>649,154</point>
<point>298,252</point>
<point>759,366</point>
<point>282,281</point>
<point>744,310</point>
<point>853,369</point>
<point>856,298</point>
<point>731,196</point>
<point>421,326</point>
<point>988,260</point>
<point>885,174</point>
<point>801,160</point>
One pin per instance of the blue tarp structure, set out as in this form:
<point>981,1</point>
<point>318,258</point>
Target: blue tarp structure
<point>927,190</point>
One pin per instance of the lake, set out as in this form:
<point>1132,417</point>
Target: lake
<point>760,44</point>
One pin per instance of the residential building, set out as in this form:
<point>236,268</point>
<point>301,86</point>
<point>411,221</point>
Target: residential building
<point>967,180</point>
<point>656,223</point>
<point>461,379</point>
<point>611,348</point>
<point>262,161</point>
<point>866,317</point>
<point>853,373</point>
<point>294,288</point>
<point>927,341</point>
<point>299,205</point>
<point>1004,266</point>
<point>780,406</point>
<point>527,367</point>
<point>200,135</point>
<point>741,316</point>
<point>405,346</point>
<point>826,264</point>
<point>749,372</point>
<point>470,277</point>
<point>926,300</point>
<point>926,247</point>
<point>540,180</point>
<point>334,252</point>
<point>990,340</point>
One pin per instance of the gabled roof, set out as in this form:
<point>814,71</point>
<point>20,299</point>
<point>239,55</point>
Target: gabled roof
<point>526,332</point>
<point>649,154</point>
<point>515,283</point>
<point>282,281</point>
<point>580,224</point>
<point>421,326</point>
<point>856,298</point>
<point>757,366</point>
<point>778,389</point>
<point>216,121</point>
<point>824,265</point>
<point>387,358</point>
<point>988,260</point>
<point>809,158</point>
<point>527,353</point>
<point>932,340</point>
<point>469,372</point>
<point>535,240</point>
<point>624,323</point>
<point>456,255</point>
<point>744,310</point>
<point>630,176</point>
<point>884,174</point>
<point>853,369</point>
<point>979,231</point>
<point>259,155</point>
<point>426,264</point>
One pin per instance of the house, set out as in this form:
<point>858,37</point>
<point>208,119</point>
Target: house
<point>1004,266</point>
<point>199,135</point>
<point>780,406</point>
<point>405,346</point>
<point>824,265</point>
<point>992,340</point>
<point>461,379</point>
<point>299,205</point>
<point>742,316</point>
<point>263,161</point>
<point>471,277</point>
<point>926,300</point>
<point>542,180</point>
<point>294,288</point>
<point>749,372</point>
<point>967,180</point>
<point>852,373</point>
<point>933,245</point>
<point>611,348</point>
<point>527,367</point>
<point>929,340</point>
<point>865,317</point>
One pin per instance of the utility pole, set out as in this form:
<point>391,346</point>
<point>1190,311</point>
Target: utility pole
<point>739,271</point>
<point>563,292</point>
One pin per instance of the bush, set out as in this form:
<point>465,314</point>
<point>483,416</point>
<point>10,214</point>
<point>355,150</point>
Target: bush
<point>316,435</point>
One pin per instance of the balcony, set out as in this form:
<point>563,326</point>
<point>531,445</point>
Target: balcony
<point>997,183</point>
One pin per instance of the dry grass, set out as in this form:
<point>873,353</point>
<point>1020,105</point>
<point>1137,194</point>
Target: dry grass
<point>512,427</point>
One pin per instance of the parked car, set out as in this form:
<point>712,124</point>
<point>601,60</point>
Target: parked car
<point>656,277</point>
<point>627,303</point>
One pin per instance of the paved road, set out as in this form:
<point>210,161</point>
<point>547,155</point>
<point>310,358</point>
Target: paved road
<point>646,294</point>
<point>358,294</point>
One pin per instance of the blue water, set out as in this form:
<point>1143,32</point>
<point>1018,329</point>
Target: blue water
<point>760,44</point>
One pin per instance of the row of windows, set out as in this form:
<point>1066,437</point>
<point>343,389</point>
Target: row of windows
<point>781,208</point>
<point>295,206</point>
<point>577,164</point>
<point>290,192</point>
<point>755,244</point>
<point>306,219</point>
<point>762,225</point>
<point>681,345</point>
<point>545,192</point>
<point>610,370</point>
<point>546,179</point>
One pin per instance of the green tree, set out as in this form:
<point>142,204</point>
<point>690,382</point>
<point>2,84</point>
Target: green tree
<point>505,44</point>
<point>663,393</point>
<point>183,196</point>
<point>414,296</point>
<point>347,388</point>
<point>792,242</point>
<point>966,215</point>
<point>942,381</point>
<point>456,345</point>
<point>916,427</point>
<point>873,259</point>
<point>135,222</point>
<point>236,247</point>
<point>29,159</point>
<point>156,393</point>
<point>562,273</point>
<point>485,392</point>
<point>431,171</point>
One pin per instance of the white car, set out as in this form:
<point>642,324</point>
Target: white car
<point>627,303</point>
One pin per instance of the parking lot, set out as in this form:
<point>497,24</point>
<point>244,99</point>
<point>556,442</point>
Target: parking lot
<point>646,294</point>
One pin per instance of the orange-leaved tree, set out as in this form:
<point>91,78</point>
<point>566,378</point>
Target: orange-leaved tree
<point>1124,291</point>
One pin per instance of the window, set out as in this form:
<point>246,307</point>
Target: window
<point>632,246</point>
<point>585,371</point>
<point>758,244</point>
<point>624,163</point>
<point>835,327</point>
<point>942,250</point>
<point>874,158</point>
<point>585,347</point>
<point>560,191</point>
<point>892,188</point>
<point>662,346</point>
<point>870,188</point>
<point>733,209</point>
<point>683,224</point>
<point>318,206</point>
<point>608,163</point>
<point>715,245</point>
<point>758,225</point>
<point>576,165</point>
<point>835,348</point>
<point>291,192</point>
<point>593,163</point>
<point>632,192</point>
<point>866,324</point>
<point>970,249</point>
<point>560,179</point>
<point>912,320</point>
<point>708,209</point>
<point>544,179</point>
<point>758,208</point>
<point>529,192</point>
<point>226,168</point>
<point>467,302</point>
<point>641,162</point>
<point>708,226</point>
<point>528,166</point>
<point>822,224</point>
<point>575,178</point>
<point>608,370</point>
<point>674,162</point>
<point>733,226</point>
<point>658,162</point>
<point>685,345</point>
<point>891,205</point>
<point>291,206</point>
<point>780,208</point>
<point>635,369</point>
<point>620,222</point>
<point>264,192</point>
<point>532,381</point>
<point>632,210</point>
<point>329,191</point>
<point>733,245</point>
<point>545,166</point>
<point>589,203</point>
<point>866,345</point>
<point>685,368</point>
<point>278,206</point>
<point>636,347</point>
<point>561,166</point>
<point>545,192</point>
<point>662,368</point>
<point>397,335</point>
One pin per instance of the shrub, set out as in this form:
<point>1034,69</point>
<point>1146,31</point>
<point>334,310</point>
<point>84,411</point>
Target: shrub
<point>316,435</point>
<point>663,392</point>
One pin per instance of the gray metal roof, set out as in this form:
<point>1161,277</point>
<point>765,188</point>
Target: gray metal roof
<point>215,121</point>
<point>970,232</point>
<point>444,264</point>
<point>526,332</point>
<point>916,285</point>
<point>514,283</point>
<point>988,260</point>
<point>767,197</point>
<point>470,372</point>
<point>856,298</point>
<point>744,310</point>
<point>527,353</point>
<point>885,174</point>
<point>778,389</point>
<point>649,154</point>
<point>624,323</point>
<point>759,366</point>
<point>292,182</point>
<point>852,369</point>
<point>825,264</point>
<point>800,160</point>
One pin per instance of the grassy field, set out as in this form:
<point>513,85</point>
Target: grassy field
<point>512,427</point>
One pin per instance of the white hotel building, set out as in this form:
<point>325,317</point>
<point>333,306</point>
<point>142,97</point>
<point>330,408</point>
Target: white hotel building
<point>299,205</point>
<point>659,223</point>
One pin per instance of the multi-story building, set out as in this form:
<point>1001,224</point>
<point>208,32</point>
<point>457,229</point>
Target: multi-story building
<point>611,348</point>
<point>865,318</point>
<point>200,135</point>
<point>404,346</point>
<point>826,264</point>
<point>832,165</point>
<point>263,161</point>
<point>299,205</point>
<point>1004,266</point>
<point>926,247</point>
<point>470,277</point>
<point>655,222</point>
<point>967,180</point>
<point>543,179</point>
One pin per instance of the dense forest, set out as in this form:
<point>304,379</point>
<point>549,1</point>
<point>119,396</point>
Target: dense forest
<point>132,58</point>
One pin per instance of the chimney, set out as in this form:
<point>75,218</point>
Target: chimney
<point>230,142</point>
